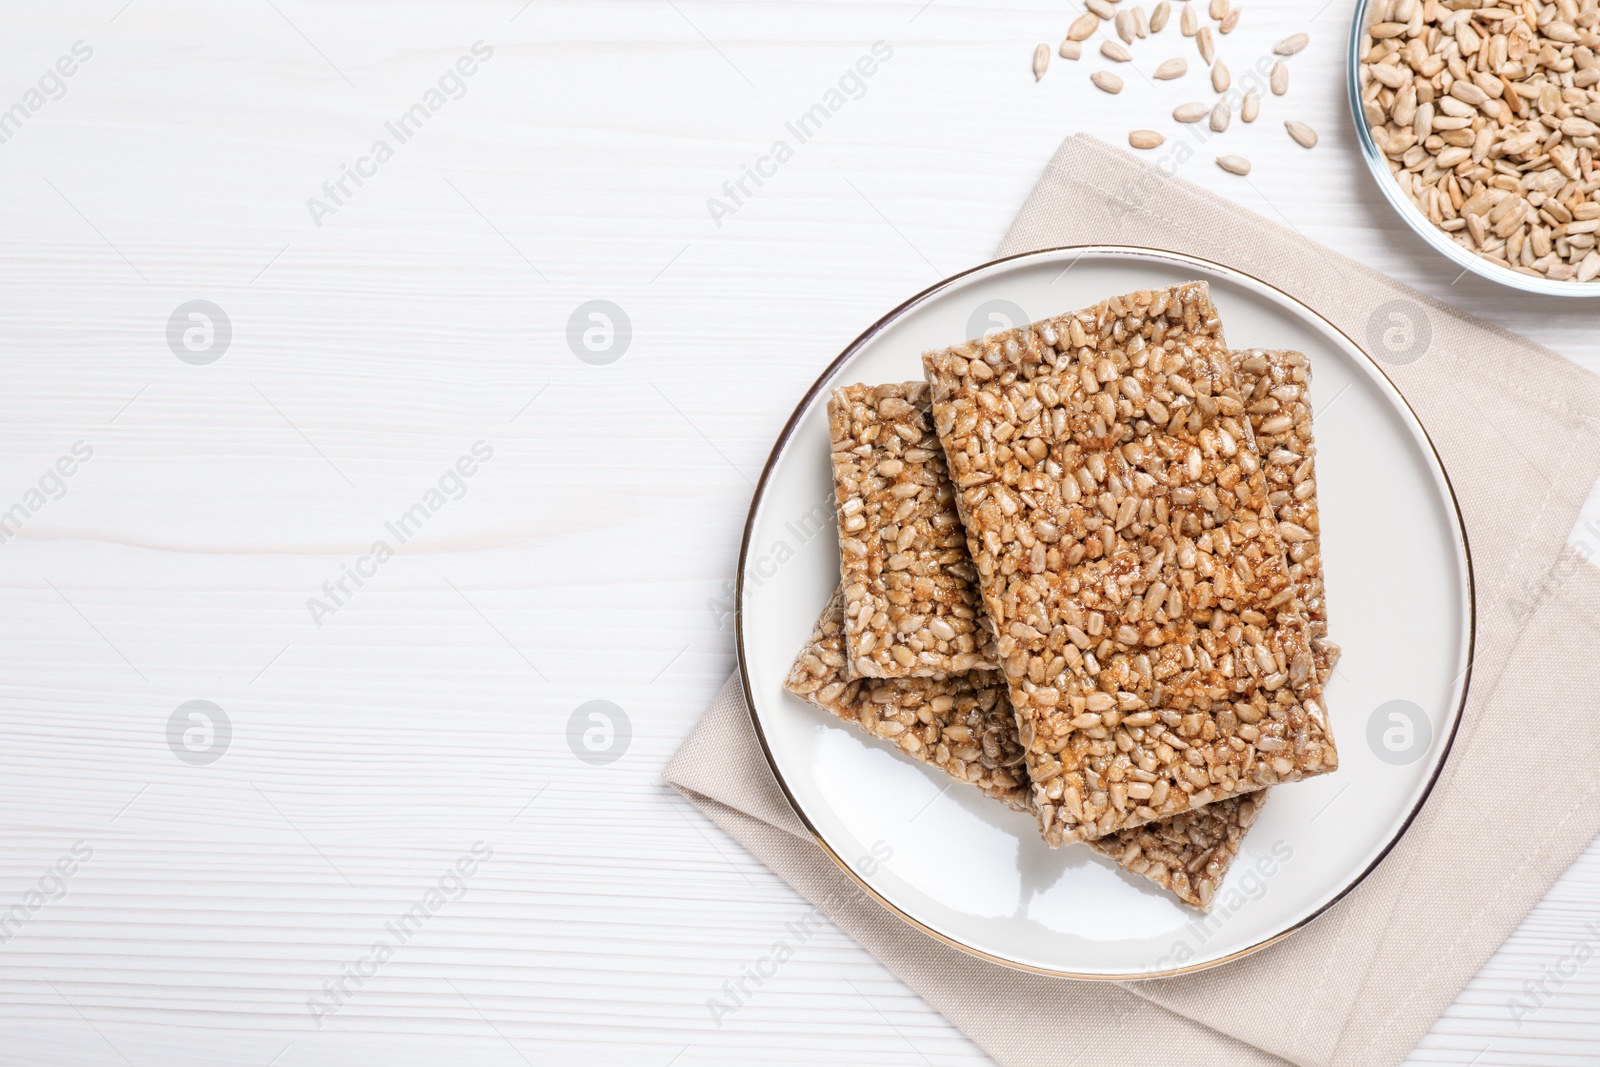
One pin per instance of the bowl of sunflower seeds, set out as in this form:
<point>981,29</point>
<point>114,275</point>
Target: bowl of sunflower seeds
<point>1480,121</point>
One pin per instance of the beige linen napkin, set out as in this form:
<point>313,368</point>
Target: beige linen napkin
<point>1517,801</point>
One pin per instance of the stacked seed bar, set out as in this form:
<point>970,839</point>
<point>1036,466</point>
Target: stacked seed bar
<point>961,723</point>
<point>1276,389</point>
<point>910,608</point>
<point>964,725</point>
<point>1116,508</point>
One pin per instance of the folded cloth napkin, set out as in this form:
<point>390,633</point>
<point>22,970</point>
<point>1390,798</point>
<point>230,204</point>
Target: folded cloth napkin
<point>1515,425</point>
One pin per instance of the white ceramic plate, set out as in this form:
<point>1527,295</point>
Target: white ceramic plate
<point>970,871</point>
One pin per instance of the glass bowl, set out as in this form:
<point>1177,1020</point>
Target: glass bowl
<point>1414,216</point>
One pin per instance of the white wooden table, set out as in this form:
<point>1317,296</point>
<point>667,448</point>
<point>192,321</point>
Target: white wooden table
<point>187,895</point>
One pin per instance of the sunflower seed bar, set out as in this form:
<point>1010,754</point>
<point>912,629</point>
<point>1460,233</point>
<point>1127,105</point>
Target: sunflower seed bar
<point>1116,510</point>
<point>961,724</point>
<point>1187,854</point>
<point>1276,387</point>
<point>910,606</point>
<point>964,725</point>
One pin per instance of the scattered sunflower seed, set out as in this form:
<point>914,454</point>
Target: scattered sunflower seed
<point>1234,164</point>
<point>1230,21</point>
<point>1125,27</point>
<point>1145,139</point>
<point>1107,81</point>
<point>1190,112</point>
<point>1220,79</point>
<point>1158,17</point>
<point>1171,68</point>
<point>1303,135</point>
<point>1280,78</point>
<point>1115,52</point>
<point>1208,48</point>
<point>1041,61</point>
<point>1251,106</point>
<point>1189,22</point>
<point>1291,44</point>
<point>1220,116</point>
<point>1219,9</point>
<point>1101,8</point>
<point>1070,49</point>
<point>1083,27</point>
<point>1141,22</point>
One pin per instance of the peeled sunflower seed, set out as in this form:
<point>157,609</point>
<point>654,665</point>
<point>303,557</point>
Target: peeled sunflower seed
<point>1190,112</point>
<point>1158,17</point>
<point>1280,78</point>
<point>1234,164</point>
<point>1041,61</point>
<point>1230,21</point>
<point>1303,135</point>
<point>1189,22</point>
<point>1251,106</point>
<point>1083,27</point>
<point>1101,8</point>
<point>1220,79</point>
<point>1171,68</point>
<point>1115,52</point>
<point>1107,81</point>
<point>1070,49</point>
<point>1219,9</point>
<point>1220,116</point>
<point>1141,22</point>
<point>1208,48</point>
<point>1291,44</point>
<point>1145,139</point>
